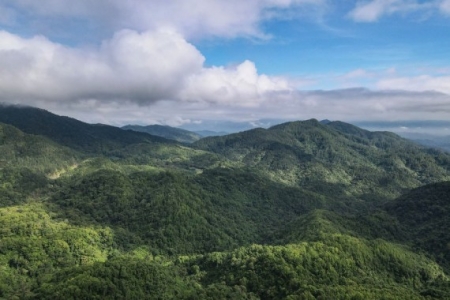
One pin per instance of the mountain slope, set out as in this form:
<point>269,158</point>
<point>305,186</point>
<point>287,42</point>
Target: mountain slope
<point>71,132</point>
<point>425,214</point>
<point>28,162</point>
<point>171,133</point>
<point>298,211</point>
<point>18,149</point>
<point>217,210</point>
<point>337,158</point>
<point>44,258</point>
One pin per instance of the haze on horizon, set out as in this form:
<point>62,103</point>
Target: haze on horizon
<point>184,63</point>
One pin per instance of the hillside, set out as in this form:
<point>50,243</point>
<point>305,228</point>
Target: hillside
<point>97,138</point>
<point>302,210</point>
<point>27,162</point>
<point>338,157</point>
<point>425,215</point>
<point>170,133</point>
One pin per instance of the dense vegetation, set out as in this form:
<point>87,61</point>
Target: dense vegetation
<point>302,210</point>
<point>72,133</point>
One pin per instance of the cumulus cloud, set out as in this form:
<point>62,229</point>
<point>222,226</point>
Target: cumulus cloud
<point>141,72</point>
<point>240,85</point>
<point>136,67</point>
<point>139,67</point>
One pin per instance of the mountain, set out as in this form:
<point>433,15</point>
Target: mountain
<point>27,162</point>
<point>302,210</point>
<point>434,141</point>
<point>33,151</point>
<point>217,210</point>
<point>336,159</point>
<point>206,133</point>
<point>70,132</point>
<point>171,133</point>
<point>425,215</point>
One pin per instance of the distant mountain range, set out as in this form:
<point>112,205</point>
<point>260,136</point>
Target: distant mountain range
<point>174,133</point>
<point>301,210</point>
<point>171,133</point>
<point>434,141</point>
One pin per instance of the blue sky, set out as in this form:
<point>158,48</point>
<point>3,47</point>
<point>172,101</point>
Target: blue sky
<point>191,62</point>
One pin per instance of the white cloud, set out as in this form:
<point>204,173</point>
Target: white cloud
<point>140,67</point>
<point>150,72</point>
<point>346,105</point>
<point>136,67</point>
<point>371,11</point>
<point>194,18</point>
<point>240,85</point>
<point>417,83</point>
<point>418,79</point>
<point>444,6</point>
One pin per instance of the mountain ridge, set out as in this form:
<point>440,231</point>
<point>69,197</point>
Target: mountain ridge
<point>301,210</point>
<point>168,132</point>
<point>70,132</point>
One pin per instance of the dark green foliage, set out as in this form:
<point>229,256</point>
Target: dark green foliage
<point>314,225</point>
<point>338,267</point>
<point>16,185</point>
<point>117,279</point>
<point>337,158</point>
<point>216,210</point>
<point>27,164</point>
<point>171,133</point>
<point>425,215</point>
<point>72,133</point>
<point>33,246</point>
<point>133,216</point>
<point>20,150</point>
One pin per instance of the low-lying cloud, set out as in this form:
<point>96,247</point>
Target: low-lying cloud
<point>349,105</point>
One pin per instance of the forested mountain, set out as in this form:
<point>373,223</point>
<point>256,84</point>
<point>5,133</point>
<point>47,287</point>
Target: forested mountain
<point>171,133</point>
<point>336,156</point>
<point>70,132</point>
<point>425,214</point>
<point>302,210</point>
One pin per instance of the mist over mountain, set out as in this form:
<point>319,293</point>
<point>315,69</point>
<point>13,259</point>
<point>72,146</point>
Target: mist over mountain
<point>303,209</point>
<point>171,133</point>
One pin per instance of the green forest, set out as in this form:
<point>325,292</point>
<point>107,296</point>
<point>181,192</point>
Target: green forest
<point>302,210</point>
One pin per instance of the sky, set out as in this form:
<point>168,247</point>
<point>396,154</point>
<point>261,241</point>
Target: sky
<point>194,63</point>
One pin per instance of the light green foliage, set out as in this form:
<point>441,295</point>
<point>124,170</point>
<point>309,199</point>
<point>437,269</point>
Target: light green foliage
<point>34,245</point>
<point>336,158</point>
<point>299,211</point>
<point>425,216</point>
<point>338,267</point>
